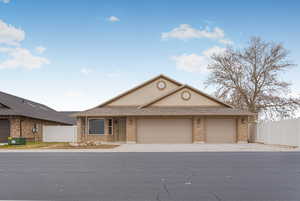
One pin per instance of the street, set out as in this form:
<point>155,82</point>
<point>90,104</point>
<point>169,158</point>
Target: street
<point>150,176</point>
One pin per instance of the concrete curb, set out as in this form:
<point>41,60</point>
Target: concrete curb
<point>158,148</point>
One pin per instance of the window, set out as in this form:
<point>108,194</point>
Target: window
<point>110,126</point>
<point>96,126</point>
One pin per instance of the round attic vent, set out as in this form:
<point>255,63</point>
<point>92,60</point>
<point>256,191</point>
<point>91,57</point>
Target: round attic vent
<point>185,95</point>
<point>161,85</point>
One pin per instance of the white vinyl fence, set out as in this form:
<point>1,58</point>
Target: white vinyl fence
<point>59,133</point>
<point>284,132</point>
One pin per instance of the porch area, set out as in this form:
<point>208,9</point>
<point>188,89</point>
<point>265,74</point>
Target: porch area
<point>101,129</point>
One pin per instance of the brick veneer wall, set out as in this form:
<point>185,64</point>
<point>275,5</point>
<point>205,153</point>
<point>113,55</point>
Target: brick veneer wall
<point>22,127</point>
<point>83,135</point>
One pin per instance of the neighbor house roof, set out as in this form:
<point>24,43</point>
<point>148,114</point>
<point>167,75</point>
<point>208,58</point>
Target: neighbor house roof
<point>16,106</point>
<point>162,111</point>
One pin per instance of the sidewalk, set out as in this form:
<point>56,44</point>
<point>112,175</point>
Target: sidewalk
<point>252,147</point>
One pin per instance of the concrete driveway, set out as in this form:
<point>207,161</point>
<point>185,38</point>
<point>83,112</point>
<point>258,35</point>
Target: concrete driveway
<point>202,148</point>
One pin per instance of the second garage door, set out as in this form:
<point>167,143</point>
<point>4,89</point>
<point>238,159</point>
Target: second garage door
<point>164,131</point>
<point>221,131</point>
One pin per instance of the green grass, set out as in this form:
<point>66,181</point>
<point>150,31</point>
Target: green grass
<point>55,145</point>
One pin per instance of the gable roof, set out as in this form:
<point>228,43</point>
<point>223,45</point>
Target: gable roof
<point>182,87</point>
<point>17,106</point>
<point>138,87</point>
<point>144,110</point>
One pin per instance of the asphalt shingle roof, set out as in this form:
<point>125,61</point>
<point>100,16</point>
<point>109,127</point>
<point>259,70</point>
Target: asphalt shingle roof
<point>13,105</point>
<point>163,111</point>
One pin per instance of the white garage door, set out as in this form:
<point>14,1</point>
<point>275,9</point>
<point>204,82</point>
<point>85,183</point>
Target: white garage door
<point>164,131</point>
<point>221,131</point>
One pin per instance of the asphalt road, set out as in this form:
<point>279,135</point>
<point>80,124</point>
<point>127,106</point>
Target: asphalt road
<point>150,176</point>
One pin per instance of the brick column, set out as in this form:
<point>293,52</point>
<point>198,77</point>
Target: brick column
<point>131,130</point>
<point>242,130</point>
<point>106,126</point>
<point>198,130</point>
<point>80,128</point>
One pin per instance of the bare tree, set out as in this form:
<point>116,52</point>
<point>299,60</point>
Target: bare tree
<point>249,79</point>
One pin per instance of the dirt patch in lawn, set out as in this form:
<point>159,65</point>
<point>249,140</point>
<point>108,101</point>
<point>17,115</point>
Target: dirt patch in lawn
<point>56,145</point>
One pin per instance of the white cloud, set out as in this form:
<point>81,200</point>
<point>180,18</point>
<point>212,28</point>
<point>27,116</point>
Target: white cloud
<point>113,19</point>
<point>10,35</point>
<point>196,63</point>
<point>14,56</point>
<point>40,49</point>
<point>21,58</point>
<point>186,31</point>
<point>86,71</point>
<point>4,1</point>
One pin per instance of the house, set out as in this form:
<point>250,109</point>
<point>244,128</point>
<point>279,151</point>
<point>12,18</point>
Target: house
<point>24,118</point>
<point>163,110</point>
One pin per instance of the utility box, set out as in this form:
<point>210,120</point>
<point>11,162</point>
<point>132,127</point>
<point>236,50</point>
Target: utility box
<point>17,141</point>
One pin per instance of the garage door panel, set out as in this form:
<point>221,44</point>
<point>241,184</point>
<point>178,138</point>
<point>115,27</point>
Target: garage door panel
<point>4,130</point>
<point>164,131</point>
<point>221,131</point>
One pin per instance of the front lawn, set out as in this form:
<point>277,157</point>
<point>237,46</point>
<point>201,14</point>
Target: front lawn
<point>56,145</point>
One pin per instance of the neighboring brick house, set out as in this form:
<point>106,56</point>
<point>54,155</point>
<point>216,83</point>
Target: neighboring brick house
<point>163,110</point>
<point>24,118</point>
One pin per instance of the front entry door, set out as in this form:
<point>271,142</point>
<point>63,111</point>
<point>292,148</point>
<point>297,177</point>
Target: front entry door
<point>120,130</point>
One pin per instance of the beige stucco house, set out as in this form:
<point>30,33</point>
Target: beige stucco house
<point>160,111</point>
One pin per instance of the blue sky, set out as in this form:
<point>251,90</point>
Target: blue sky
<point>73,55</point>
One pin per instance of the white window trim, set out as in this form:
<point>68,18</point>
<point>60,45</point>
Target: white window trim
<point>88,126</point>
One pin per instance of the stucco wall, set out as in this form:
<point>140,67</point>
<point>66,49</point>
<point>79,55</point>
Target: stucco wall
<point>195,100</point>
<point>144,94</point>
